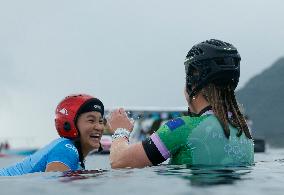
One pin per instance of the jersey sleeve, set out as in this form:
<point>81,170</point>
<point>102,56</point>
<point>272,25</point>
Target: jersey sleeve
<point>166,141</point>
<point>65,153</point>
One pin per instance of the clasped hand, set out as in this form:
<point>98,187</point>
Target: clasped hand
<point>119,119</point>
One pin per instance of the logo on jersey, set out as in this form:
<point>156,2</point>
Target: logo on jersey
<point>174,124</point>
<point>72,148</point>
<point>63,111</point>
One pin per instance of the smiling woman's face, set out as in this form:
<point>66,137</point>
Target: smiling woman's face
<point>91,126</point>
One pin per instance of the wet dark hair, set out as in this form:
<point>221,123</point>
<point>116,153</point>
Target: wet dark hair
<point>78,145</point>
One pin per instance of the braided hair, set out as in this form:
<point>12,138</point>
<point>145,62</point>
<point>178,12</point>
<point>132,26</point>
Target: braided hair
<point>223,100</point>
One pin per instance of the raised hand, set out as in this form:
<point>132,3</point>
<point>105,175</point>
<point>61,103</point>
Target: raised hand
<point>119,119</point>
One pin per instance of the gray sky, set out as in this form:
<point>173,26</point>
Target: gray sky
<point>126,52</point>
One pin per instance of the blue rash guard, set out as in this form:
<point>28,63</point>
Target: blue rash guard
<point>60,150</point>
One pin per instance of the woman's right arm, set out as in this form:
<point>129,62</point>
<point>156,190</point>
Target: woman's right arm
<point>124,155</point>
<point>63,157</point>
<point>136,155</point>
<point>56,166</point>
<point>152,151</point>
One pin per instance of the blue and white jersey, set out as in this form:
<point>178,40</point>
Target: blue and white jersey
<point>60,150</point>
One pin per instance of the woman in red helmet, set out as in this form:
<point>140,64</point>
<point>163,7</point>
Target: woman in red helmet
<point>79,122</point>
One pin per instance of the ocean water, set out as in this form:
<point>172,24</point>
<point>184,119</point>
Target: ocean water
<point>265,177</point>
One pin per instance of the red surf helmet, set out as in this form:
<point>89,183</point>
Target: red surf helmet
<point>68,110</point>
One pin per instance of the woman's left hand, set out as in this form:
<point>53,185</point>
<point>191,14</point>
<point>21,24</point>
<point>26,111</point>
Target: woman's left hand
<point>119,119</point>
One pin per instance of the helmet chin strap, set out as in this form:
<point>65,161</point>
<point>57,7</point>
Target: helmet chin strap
<point>100,148</point>
<point>191,97</point>
<point>192,114</point>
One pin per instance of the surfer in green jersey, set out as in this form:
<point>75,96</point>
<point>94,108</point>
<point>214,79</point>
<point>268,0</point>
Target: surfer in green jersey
<point>213,134</point>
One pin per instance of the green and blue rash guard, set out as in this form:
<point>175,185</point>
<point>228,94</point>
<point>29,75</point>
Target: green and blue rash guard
<point>61,150</point>
<point>198,141</point>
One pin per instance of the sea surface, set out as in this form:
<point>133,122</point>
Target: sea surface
<point>265,177</point>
